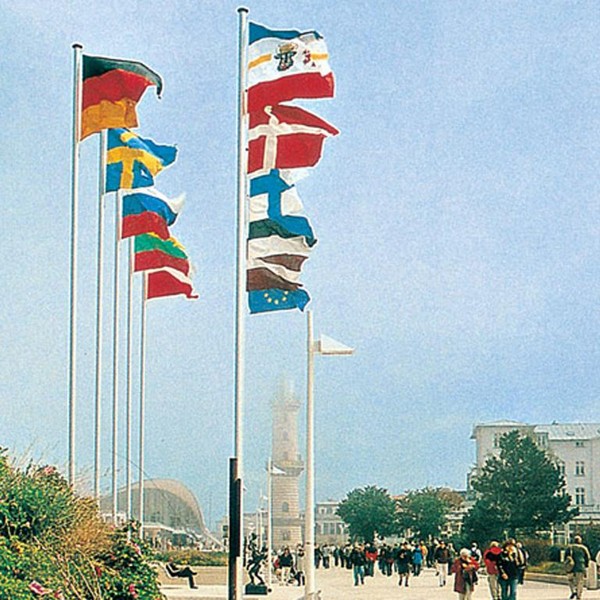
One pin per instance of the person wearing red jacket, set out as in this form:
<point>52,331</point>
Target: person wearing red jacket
<point>465,569</point>
<point>490,558</point>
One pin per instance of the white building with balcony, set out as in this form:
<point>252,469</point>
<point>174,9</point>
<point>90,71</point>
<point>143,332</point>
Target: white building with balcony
<point>576,447</point>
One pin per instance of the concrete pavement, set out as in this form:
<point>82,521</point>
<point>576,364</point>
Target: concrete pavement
<point>337,584</point>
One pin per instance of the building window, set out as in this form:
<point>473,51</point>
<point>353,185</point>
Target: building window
<point>561,468</point>
<point>542,440</point>
<point>580,444</point>
<point>579,496</point>
<point>497,437</point>
<point>579,468</point>
<point>285,507</point>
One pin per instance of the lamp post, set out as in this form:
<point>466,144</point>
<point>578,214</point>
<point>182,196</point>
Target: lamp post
<point>325,346</point>
<point>269,522</point>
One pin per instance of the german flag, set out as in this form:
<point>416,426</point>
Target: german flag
<point>111,90</point>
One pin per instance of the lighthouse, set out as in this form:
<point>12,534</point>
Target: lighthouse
<point>288,465</point>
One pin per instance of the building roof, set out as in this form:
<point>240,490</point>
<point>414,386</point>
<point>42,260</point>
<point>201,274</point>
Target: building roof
<point>502,423</point>
<point>555,431</point>
<point>570,431</point>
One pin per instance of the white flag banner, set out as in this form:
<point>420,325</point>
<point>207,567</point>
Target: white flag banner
<point>330,347</point>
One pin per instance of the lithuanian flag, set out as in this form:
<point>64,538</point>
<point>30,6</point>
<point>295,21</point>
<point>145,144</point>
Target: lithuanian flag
<point>111,90</point>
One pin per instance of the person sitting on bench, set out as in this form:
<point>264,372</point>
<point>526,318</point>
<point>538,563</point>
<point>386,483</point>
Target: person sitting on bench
<point>174,571</point>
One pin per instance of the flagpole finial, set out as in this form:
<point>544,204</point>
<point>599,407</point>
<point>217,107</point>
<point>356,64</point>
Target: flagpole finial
<point>77,45</point>
<point>243,9</point>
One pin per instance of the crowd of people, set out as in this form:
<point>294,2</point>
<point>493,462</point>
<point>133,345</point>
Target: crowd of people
<point>502,565</point>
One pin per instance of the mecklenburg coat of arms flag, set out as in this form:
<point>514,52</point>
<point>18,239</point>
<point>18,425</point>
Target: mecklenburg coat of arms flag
<point>286,64</point>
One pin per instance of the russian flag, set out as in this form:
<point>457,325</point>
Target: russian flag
<point>149,211</point>
<point>286,64</point>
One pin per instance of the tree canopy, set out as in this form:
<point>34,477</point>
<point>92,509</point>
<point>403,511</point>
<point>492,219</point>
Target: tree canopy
<point>520,491</point>
<point>424,512</point>
<point>368,511</point>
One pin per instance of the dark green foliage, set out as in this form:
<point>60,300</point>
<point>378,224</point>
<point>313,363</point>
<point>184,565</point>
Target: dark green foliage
<point>591,538</point>
<point>424,511</point>
<point>368,511</point>
<point>519,493</point>
<point>539,550</point>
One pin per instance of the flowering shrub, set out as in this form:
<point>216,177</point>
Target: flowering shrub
<point>126,571</point>
<point>54,545</point>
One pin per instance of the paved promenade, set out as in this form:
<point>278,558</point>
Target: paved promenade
<point>337,584</point>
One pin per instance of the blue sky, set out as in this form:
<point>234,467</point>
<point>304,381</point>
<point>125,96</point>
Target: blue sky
<point>457,218</point>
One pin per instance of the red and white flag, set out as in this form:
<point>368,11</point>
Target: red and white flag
<point>168,282</point>
<point>286,137</point>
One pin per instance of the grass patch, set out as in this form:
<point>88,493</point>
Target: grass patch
<point>548,568</point>
<point>189,556</point>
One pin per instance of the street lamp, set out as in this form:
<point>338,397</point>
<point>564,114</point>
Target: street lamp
<point>325,346</point>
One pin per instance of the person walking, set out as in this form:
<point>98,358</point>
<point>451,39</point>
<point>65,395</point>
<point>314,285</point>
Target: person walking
<point>318,556</point>
<point>490,559</point>
<point>465,574</point>
<point>417,559</point>
<point>386,560</point>
<point>336,556</point>
<point>476,552</point>
<point>326,555</point>
<point>371,556</point>
<point>403,562</point>
<point>300,562</point>
<point>286,562</point>
<point>580,559</point>
<point>523,566</point>
<point>424,552</point>
<point>508,569</point>
<point>347,551</point>
<point>357,558</point>
<point>442,560</point>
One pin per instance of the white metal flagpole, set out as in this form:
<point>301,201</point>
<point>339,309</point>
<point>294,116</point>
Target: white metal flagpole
<point>240,295</point>
<point>128,401</point>
<point>115,382</point>
<point>309,516</point>
<point>99,314</point>
<point>142,414</point>
<point>77,70</point>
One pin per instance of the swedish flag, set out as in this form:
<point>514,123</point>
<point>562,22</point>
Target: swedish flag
<point>133,162</point>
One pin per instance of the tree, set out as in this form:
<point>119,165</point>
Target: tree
<point>368,511</point>
<point>519,492</point>
<point>425,511</point>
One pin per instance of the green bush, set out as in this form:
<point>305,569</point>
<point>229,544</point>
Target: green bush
<point>538,550</point>
<point>125,572</point>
